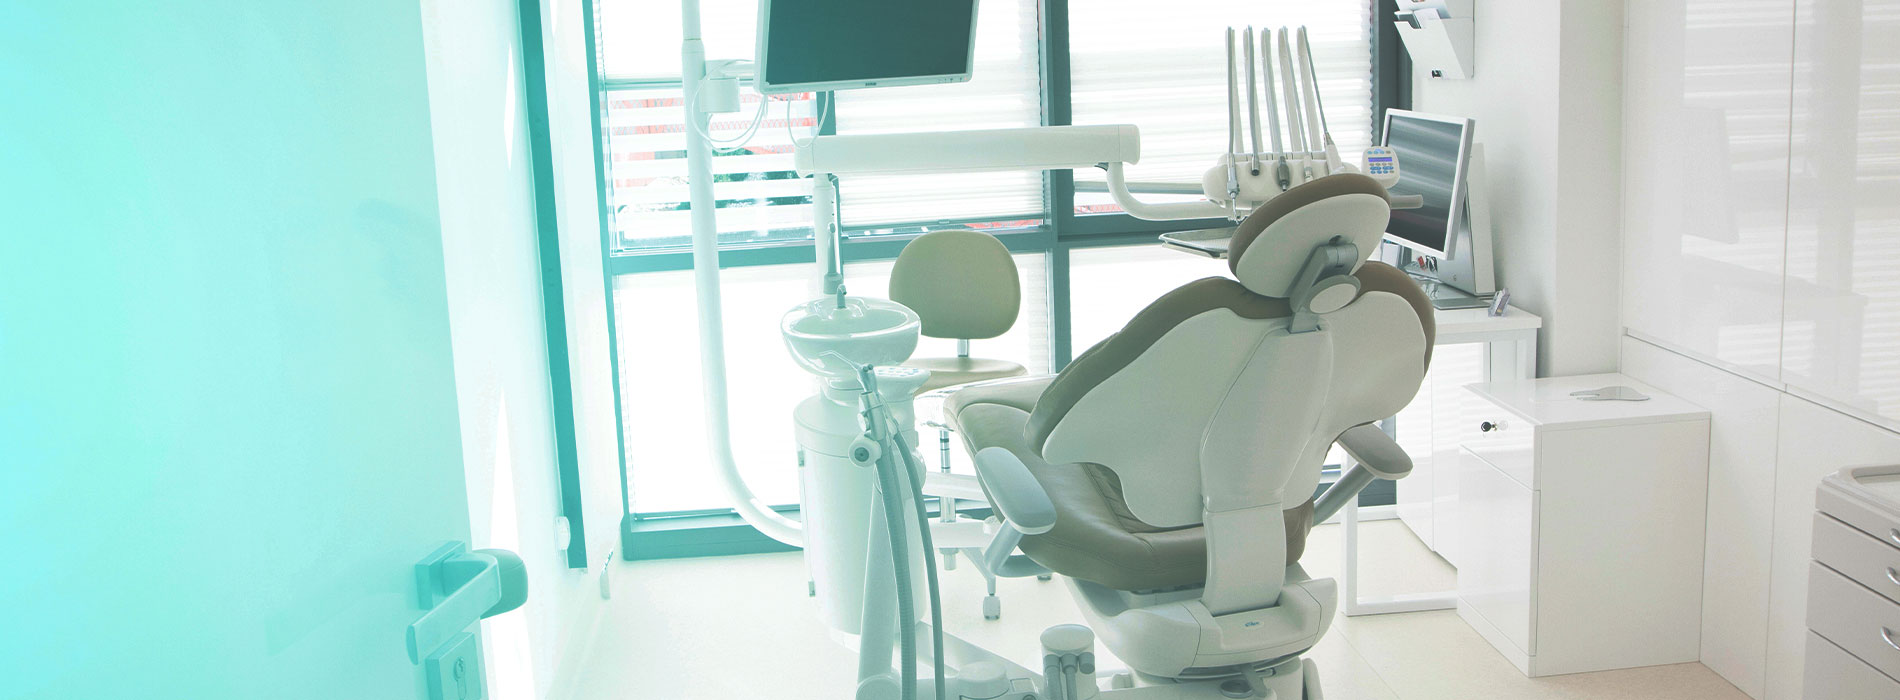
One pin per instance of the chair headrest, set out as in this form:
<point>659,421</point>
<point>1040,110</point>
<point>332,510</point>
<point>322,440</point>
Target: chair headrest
<point>1271,246</point>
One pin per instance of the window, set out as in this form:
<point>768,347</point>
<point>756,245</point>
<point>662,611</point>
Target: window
<point>1110,284</point>
<point>760,198</point>
<point>1004,92</point>
<point>668,466</point>
<point>1164,72</point>
<point>1126,64</point>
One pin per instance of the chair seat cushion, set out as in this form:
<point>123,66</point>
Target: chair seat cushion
<point>951,371</point>
<point>1095,538</point>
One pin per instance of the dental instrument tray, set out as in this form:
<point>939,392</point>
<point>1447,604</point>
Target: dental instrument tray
<point>1205,242</point>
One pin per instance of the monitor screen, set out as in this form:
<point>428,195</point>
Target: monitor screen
<point>1433,153</point>
<point>840,44</point>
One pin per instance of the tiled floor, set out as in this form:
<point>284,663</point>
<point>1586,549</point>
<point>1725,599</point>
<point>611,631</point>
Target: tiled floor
<point>742,627</point>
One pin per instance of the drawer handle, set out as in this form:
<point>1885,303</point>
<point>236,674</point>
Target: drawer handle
<point>1886,635</point>
<point>1489,426</point>
<point>1893,576</point>
<point>1894,534</point>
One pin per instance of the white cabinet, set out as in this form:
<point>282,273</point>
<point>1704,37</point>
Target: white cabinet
<point>1580,524</point>
<point>1705,177</point>
<point>1842,306</point>
<point>1428,430</point>
<point>1853,643</point>
<point>1743,420</point>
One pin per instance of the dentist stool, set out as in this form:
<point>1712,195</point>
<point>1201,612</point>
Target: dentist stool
<point>963,285</point>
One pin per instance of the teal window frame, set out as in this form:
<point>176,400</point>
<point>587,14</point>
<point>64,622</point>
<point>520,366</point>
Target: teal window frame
<point>720,531</point>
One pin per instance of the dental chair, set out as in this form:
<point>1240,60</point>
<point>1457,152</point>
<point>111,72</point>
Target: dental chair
<point>1180,456</point>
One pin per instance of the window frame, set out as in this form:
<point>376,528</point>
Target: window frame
<point>721,531</point>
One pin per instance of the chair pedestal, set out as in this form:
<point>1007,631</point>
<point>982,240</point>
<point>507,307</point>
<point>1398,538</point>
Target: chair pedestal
<point>1180,639</point>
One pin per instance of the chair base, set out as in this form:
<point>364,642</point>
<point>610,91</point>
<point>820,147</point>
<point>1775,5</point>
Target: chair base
<point>1175,636</point>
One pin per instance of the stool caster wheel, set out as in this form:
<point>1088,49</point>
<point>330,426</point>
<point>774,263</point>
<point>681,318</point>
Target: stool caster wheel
<point>949,559</point>
<point>992,607</point>
<point>1122,681</point>
<point>1044,577</point>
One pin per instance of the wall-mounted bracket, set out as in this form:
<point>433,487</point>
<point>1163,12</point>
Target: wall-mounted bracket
<point>1440,35</point>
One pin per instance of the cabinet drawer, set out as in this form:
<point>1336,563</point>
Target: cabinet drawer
<point>1500,437</point>
<point>1852,553</point>
<point>1854,618</point>
<point>1836,675</point>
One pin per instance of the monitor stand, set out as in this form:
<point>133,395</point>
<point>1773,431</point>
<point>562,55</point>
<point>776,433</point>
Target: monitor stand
<point>1445,296</point>
<point>1467,278</point>
<point>1471,266</point>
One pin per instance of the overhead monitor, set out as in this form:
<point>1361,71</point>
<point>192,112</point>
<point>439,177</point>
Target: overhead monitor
<point>818,45</point>
<point>1434,158</point>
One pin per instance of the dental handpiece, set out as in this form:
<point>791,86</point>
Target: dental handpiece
<point>1281,172</point>
<point>1296,124</point>
<point>1333,162</point>
<point>1253,103</point>
<point>1234,145</point>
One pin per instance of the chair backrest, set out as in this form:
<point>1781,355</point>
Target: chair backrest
<point>1220,400</point>
<point>962,283</point>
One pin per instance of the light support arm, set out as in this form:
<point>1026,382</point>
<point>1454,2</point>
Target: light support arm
<point>1172,211</point>
<point>712,341</point>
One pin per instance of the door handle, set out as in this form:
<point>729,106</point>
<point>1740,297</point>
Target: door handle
<point>459,588</point>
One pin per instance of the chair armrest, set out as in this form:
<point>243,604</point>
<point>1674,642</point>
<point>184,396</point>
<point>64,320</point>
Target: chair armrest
<point>1377,452</point>
<point>1376,455</point>
<point>1015,493</point>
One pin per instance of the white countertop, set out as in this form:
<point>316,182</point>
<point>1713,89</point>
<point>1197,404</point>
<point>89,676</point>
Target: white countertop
<point>1467,321</point>
<point>1547,402</point>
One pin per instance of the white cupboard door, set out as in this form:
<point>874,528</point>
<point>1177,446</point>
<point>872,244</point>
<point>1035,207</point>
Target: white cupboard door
<point>1843,301</point>
<point>1705,138</point>
<point>1496,526</point>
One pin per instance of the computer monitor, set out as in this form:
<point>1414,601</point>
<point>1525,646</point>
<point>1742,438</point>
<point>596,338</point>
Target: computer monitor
<point>1434,157</point>
<point>819,45</point>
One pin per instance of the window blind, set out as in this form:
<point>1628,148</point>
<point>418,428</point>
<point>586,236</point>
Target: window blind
<point>1164,72</point>
<point>1003,92</point>
<point>759,197</point>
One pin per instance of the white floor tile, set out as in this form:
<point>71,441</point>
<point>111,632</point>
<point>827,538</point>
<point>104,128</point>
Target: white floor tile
<point>743,627</point>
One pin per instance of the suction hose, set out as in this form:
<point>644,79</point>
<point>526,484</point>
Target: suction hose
<point>712,341</point>
<point>911,469</point>
<point>887,481</point>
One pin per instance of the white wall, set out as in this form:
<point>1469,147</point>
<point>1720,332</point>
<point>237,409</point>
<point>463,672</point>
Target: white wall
<point>1546,96</point>
<point>596,426</point>
<point>1760,285</point>
<point>484,175</point>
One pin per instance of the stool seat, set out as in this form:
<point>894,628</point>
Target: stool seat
<point>951,371</point>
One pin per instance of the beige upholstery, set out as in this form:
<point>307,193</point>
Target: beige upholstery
<point>1096,538</point>
<point>962,283</point>
<point>1246,409</point>
<point>951,371</point>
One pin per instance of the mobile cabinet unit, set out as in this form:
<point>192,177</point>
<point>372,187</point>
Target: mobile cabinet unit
<point>1580,524</point>
<point>1854,587</point>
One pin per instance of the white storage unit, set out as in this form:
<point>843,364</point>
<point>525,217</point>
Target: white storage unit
<point>1854,587</point>
<point>1580,524</point>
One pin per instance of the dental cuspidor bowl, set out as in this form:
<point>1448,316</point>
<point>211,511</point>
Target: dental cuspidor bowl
<point>864,331</point>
